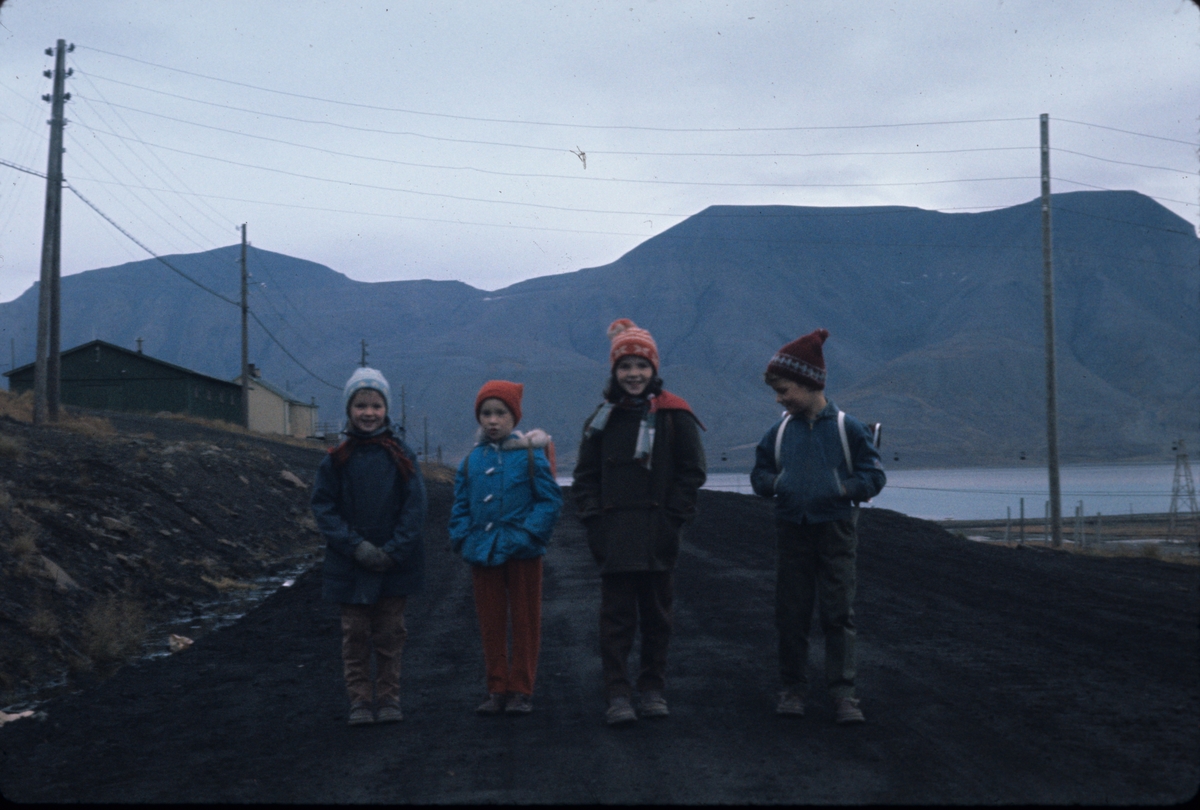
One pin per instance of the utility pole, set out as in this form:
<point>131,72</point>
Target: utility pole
<point>1048,315</point>
<point>1182,488</point>
<point>46,374</point>
<point>363,362</point>
<point>245,341</point>
<point>425,455</point>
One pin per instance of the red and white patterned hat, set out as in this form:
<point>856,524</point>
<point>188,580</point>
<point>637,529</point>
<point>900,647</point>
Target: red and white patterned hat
<point>802,360</point>
<point>630,339</point>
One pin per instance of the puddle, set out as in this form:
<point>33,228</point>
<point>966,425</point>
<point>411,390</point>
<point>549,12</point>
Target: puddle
<point>200,619</point>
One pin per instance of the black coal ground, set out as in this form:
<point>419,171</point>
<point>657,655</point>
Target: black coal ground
<point>987,675</point>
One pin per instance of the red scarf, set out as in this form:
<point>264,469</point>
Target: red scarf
<point>341,453</point>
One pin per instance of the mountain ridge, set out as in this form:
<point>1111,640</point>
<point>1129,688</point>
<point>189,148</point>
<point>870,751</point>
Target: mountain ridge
<point>935,321</point>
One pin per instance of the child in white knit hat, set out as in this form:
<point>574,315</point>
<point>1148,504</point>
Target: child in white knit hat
<point>369,503</point>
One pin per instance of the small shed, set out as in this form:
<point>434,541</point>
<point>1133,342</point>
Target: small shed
<point>276,411</point>
<point>106,377</point>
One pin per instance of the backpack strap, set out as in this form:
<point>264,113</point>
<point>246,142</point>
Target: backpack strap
<point>845,441</point>
<point>532,471</point>
<point>787,417</point>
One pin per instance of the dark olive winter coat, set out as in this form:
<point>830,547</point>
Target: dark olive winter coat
<point>634,516</point>
<point>368,499</point>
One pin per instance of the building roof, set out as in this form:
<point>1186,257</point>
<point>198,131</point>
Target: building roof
<point>122,350</point>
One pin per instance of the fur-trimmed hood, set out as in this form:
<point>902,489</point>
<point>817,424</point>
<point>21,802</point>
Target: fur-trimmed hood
<point>533,438</point>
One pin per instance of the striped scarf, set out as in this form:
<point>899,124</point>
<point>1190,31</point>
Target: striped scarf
<point>648,405</point>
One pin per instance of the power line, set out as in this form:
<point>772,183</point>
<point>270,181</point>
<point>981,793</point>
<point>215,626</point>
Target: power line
<point>164,164</point>
<point>575,178</point>
<point>134,239</point>
<point>34,172</point>
<point>1128,132</point>
<point>623,153</point>
<point>201,286</point>
<point>1122,162</point>
<point>310,373</point>
<point>159,200</point>
<point>552,123</point>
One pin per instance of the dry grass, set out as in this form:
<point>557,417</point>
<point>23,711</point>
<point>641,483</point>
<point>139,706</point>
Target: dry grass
<point>226,584</point>
<point>18,407</point>
<point>96,427</point>
<point>113,628</point>
<point>230,427</point>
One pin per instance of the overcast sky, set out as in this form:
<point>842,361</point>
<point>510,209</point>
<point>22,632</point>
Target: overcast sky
<point>440,140</point>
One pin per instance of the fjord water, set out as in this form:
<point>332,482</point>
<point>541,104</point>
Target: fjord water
<point>984,493</point>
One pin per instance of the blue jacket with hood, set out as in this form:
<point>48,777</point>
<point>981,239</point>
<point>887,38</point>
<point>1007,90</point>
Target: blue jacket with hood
<point>498,515</point>
<point>814,484</point>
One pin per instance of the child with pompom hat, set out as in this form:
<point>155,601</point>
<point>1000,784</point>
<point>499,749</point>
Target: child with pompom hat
<point>817,463</point>
<point>368,500</point>
<point>506,503</point>
<point>640,465</point>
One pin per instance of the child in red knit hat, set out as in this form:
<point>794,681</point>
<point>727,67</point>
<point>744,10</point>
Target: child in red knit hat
<point>817,463</point>
<point>640,465</point>
<point>506,503</point>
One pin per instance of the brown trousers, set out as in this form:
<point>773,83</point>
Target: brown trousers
<point>627,600</point>
<point>381,626</point>
<point>512,588</point>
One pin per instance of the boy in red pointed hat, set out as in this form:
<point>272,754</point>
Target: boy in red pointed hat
<point>817,463</point>
<point>639,468</point>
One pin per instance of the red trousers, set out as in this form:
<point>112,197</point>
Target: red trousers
<point>379,626</point>
<point>515,588</point>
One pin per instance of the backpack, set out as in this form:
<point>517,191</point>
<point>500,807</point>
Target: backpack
<point>874,428</point>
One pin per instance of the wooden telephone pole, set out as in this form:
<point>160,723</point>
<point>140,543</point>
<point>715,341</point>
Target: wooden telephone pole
<point>245,342</point>
<point>46,373</point>
<point>1048,315</point>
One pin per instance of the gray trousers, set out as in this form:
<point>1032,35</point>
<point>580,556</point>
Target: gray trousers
<point>816,563</point>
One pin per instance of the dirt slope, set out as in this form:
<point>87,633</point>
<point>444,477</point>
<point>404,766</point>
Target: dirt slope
<point>988,675</point>
<point>107,533</point>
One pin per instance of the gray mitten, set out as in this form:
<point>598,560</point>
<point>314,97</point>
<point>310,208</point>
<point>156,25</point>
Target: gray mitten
<point>372,557</point>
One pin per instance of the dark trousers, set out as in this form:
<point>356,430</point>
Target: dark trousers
<point>627,600</point>
<point>511,589</point>
<point>816,563</point>
<point>380,626</point>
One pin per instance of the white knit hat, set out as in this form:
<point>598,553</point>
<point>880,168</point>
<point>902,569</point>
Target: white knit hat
<point>365,377</point>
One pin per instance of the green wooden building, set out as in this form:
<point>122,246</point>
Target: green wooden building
<point>105,377</point>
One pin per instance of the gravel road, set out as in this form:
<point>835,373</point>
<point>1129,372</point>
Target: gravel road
<point>987,675</point>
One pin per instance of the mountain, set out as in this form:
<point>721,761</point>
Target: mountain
<point>936,327</point>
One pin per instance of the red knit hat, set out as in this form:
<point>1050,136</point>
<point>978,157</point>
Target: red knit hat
<point>507,392</point>
<point>630,339</point>
<point>802,360</point>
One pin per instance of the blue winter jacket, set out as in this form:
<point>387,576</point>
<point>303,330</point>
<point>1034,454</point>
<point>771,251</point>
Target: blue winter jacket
<point>815,485</point>
<point>496,515</point>
<point>368,499</point>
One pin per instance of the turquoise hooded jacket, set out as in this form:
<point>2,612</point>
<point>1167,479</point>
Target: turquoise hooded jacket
<point>498,514</point>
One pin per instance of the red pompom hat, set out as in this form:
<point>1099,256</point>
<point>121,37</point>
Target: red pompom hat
<point>630,339</point>
<point>802,360</point>
<point>507,392</point>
